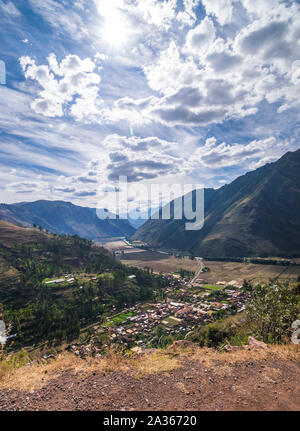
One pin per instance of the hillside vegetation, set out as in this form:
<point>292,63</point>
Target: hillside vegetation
<point>92,283</point>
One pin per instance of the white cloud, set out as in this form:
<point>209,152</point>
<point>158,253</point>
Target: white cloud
<point>171,71</point>
<point>61,83</point>
<point>61,17</point>
<point>252,155</point>
<point>221,9</point>
<point>124,20</point>
<point>200,38</point>
<point>139,158</point>
<point>228,76</point>
<point>160,14</point>
<point>188,15</point>
<point>260,7</point>
<point>43,142</point>
<point>10,9</point>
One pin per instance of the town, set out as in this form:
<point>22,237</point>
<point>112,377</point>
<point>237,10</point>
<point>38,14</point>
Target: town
<point>184,307</point>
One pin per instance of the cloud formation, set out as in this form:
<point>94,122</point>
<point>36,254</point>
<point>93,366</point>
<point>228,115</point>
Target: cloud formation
<point>150,89</point>
<point>139,158</point>
<point>70,86</point>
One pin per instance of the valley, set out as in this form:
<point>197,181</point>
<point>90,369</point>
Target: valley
<point>149,209</point>
<point>119,296</point>
<point>197,293</point>
<point>112,310</point>
<point>219,270</point>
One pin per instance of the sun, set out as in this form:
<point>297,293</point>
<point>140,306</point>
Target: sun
<point>115,30</point>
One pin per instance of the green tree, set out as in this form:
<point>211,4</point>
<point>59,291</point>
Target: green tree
<point>272,309</point>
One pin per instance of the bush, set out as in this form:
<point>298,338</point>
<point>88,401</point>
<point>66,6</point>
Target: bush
<point>212,335</point>
<point>272,309</point>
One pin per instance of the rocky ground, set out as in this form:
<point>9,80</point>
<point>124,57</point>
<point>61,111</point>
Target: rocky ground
<point>253,382</point>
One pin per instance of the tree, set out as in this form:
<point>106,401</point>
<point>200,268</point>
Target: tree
<point>247,286</point>
<point>272,309</point>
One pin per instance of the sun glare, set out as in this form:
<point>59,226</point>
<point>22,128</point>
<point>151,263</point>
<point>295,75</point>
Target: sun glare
<point>115,30</point>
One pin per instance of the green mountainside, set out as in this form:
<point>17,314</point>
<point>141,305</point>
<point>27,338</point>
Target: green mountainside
<point>255,215</point>
<point>85,283</point>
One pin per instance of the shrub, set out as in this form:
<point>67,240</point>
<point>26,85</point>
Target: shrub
<point>272,310</point>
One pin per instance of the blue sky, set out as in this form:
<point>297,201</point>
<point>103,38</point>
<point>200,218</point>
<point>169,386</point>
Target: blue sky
<point>162,91</point>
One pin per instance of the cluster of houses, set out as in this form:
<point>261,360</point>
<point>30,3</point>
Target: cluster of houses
<point>67,278</point>
<point>185,306</point>
<point>180,312</point>
<point>70,278</point>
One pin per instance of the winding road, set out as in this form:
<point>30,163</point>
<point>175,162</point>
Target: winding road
<point>200,260</point>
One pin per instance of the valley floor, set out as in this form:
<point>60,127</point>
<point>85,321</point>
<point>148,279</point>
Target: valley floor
<point>199,379</point>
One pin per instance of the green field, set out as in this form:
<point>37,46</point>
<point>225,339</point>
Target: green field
<point>212,287</point>
<point>119,319</point>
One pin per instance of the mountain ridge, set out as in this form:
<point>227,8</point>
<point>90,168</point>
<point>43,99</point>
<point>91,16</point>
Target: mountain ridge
<point>256,215</point>
<point>62,217</point>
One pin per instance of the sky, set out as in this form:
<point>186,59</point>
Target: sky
<point>159,91</point>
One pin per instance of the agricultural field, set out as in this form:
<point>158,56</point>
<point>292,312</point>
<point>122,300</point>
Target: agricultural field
<point>119,245</point>
<point>159,262</point>
<point>212,287</point>
<point>219,271</point>
<point>228,271</point>
<point>118,319</point>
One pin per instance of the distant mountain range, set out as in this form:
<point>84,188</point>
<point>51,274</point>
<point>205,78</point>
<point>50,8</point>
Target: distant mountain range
<point>258,214</point>
<point>65,218</point>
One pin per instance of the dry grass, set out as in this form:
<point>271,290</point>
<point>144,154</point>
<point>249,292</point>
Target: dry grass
<point>211,357</point>
<point>155,363</point>
<point>14,374</point>
<point>30,376</point>
<point>23,376</point>
<point>223,370</point>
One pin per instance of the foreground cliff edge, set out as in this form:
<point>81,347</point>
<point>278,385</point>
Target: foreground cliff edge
<point>182,377</point>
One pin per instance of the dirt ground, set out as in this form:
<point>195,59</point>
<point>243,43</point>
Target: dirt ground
<point>252,382</point>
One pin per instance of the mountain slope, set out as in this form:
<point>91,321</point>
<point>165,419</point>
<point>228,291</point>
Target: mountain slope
<point>27,255</point>
<point>64,218</point>
<point>255,215</point>
<point>40,312</point>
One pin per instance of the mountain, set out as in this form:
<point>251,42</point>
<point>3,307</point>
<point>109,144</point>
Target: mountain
<point>136,223</point>
<point>255,215</point>
<point>64,218</point>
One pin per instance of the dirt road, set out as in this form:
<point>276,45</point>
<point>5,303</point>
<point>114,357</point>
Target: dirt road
<point>200,260</point>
